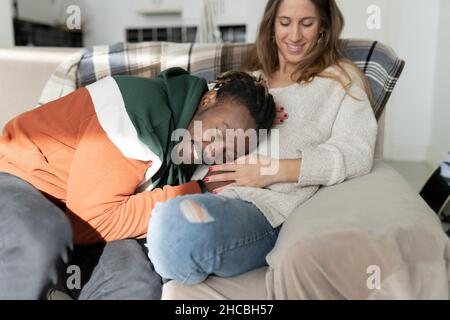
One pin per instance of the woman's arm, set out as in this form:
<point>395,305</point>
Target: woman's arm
<point>252,172</point>
<point>349,152</point>
<point>289,171</point>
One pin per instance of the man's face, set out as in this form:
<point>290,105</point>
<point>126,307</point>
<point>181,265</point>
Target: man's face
<point>206,135</point>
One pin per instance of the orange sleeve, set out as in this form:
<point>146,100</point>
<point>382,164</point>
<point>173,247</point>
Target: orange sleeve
<point>101,200</point>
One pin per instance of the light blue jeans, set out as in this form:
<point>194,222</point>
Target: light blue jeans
<point>192,237</point>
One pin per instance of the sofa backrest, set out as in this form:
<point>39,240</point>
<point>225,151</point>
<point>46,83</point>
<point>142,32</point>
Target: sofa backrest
<point>378,62</point>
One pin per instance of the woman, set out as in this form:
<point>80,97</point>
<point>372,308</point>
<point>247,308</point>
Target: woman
<point>329,137</point>
<point>102,156</point>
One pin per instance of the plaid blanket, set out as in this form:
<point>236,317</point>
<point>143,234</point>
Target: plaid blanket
<point>147,59</point>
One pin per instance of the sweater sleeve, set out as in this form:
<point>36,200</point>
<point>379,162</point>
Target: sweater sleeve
<point>349,152</point>
<point>101,200</point>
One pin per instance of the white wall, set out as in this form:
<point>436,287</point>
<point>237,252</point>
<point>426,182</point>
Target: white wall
<point>6,24</point>
<point>440,122</point>
<point>255,13</point>
<point>356,19</point>
<point>106,20</point>
<point>409,116</point>
<point>41,11</point>
<point>410,27</point>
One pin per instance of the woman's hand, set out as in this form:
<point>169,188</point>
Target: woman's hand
<point>254,171</point>
<point>282,116</point>
<point>211,186</point>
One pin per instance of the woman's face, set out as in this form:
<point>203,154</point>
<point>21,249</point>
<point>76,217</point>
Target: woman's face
<point>210,124</point>
<point>296,30</point>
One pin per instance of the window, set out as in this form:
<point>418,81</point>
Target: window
<point>179,34</point>
<point>233,33</point>
<point>27,33</point>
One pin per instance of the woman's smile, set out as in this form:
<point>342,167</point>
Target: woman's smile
<point>296,49</point>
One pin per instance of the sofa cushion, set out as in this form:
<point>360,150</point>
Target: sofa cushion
<point>248,286</point>
<point>373,225</point>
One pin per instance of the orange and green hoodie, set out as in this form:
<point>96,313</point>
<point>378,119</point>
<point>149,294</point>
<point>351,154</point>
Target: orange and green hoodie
<point>104,151</point>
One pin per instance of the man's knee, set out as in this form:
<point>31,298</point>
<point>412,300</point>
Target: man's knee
<point>35,249</point>
<point>33,219</point>
<point>42,238</point>
<point>122,272</point>
<point>124,257</point>
<point>180,219</point>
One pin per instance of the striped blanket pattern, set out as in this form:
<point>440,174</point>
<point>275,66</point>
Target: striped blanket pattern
<point>147,59</point>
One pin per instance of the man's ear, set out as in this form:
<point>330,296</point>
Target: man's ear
<point>208,100</point>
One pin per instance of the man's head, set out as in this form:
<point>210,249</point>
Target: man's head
<point>238,101</point>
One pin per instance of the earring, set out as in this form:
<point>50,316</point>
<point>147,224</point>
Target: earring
<point>321,36</point>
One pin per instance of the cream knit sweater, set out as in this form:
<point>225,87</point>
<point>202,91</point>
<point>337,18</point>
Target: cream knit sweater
<point>333,133</point>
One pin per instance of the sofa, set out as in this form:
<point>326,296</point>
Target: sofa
<point>371,237</point>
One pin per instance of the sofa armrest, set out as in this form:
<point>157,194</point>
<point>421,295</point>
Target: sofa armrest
<point>373,225</point>
<point>24,73</point>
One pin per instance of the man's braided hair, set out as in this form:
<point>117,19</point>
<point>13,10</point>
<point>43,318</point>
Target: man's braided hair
<point>250,92</point>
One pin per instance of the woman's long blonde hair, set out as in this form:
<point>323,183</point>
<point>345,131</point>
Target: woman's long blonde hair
<point>325,53</point>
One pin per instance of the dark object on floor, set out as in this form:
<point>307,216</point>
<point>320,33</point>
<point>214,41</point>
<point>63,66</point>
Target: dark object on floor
<point>436,191</point>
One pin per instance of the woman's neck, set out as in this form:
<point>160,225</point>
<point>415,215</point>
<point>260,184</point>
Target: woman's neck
<point>286,69</point>
<point>280,79</point>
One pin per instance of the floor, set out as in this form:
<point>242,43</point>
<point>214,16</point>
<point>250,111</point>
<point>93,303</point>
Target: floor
<point>415,173</point>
